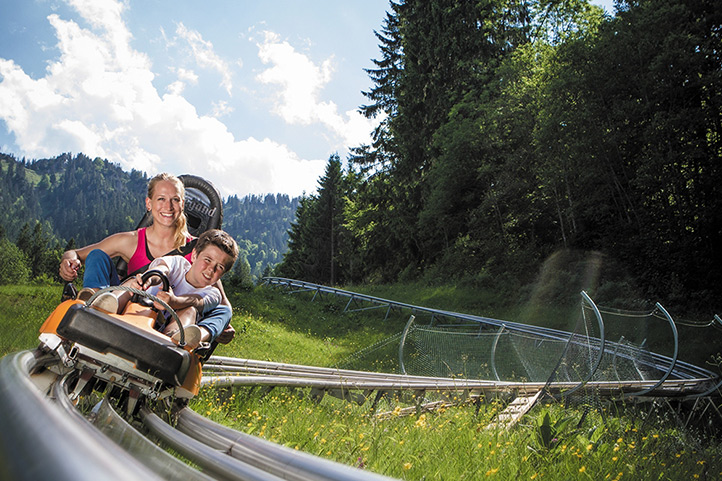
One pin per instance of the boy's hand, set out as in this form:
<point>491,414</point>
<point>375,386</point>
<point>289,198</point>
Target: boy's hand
<point>135,283</point>
<point>149,282</point>
<point>166,297</point>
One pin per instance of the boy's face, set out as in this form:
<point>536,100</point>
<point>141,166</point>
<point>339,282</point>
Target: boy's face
<point>207,266</point>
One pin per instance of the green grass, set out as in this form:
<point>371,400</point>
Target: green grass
<point>273,325</point>
<point>22,310</point>
<point>553,442</point>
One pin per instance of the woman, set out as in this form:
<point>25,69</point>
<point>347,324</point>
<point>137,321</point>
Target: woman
<point>165,236</point>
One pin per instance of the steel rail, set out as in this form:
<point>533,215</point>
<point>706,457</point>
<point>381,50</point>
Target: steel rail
<point>673,359</point>
<point>224,365</point>
<point>219,464</point>
<point>218,365</point>
<point>169,467</point>
<point>670,388</point>
<point>41,439</point>
<point>211,377</point>
<point>672,366</point>
<point>227,364</point>
<point>38,440</point>
<point>270,457</point>
<point>594,363</point>
<point>261,460</point>
<point>44,436</point>
<point>109,425</point>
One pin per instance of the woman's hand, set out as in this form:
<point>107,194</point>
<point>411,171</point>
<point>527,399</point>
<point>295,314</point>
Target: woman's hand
<point>68,269</point>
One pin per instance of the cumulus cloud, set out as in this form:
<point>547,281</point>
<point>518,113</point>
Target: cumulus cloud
<point>98,97</point>
<point>301,83</point>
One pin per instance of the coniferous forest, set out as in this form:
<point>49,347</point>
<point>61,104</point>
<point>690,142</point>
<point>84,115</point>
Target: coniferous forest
<point>515,132</point>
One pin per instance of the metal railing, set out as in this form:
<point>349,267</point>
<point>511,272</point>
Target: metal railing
<point>670,366</point>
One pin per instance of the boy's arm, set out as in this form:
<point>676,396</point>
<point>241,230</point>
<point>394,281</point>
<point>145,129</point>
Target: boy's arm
<point>159,265</point>
<point>208,299</point>
<point>174,301</point>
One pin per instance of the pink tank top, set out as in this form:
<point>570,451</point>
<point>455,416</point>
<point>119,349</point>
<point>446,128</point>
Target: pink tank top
<point>142,256</point>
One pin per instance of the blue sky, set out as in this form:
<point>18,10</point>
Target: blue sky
<point>254,96</point>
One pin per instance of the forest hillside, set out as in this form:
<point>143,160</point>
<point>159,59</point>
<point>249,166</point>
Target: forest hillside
<point>47,205</point>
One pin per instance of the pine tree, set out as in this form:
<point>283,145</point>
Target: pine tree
<point>316,235</point>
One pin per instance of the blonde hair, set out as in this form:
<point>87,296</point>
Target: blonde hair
<point>181,230</point>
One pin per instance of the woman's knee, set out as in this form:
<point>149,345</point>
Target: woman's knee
<point>99,270</point>
<point>97,256</point>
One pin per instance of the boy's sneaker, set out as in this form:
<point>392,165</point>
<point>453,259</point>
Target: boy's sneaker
<point>85,294</point>
<point>192,335</point>
<point>107,302</point>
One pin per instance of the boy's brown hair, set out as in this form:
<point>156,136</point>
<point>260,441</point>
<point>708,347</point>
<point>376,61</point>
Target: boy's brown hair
<point>220,239</point>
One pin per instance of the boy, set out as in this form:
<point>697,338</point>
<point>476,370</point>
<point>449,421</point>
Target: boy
<point>192,293</point>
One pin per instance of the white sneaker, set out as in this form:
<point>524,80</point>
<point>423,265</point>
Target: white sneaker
<point>192,335</point>
<point>107,302</point>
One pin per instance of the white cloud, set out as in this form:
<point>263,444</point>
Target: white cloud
<point>221,109</point>
<point>301,82</point>
<point>97,97</point>
<point>185,77</point>
<point>205,56</point>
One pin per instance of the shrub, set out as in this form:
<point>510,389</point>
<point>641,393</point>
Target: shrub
<point>13,264</point>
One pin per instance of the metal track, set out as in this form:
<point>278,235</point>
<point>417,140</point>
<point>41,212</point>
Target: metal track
<point>39,440</point>
<point>43,436</point>
<point>252,372</point>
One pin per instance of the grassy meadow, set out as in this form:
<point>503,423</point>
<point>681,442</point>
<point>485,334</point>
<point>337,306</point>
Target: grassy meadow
<point>601,440</point>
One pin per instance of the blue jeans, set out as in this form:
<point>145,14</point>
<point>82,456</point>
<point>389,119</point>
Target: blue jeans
<point>216,320</point>
<point>100,270</point>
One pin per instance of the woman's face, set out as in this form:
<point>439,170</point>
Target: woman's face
<point>165,204</point>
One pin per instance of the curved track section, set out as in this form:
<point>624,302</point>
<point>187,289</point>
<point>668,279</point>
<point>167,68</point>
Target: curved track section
<point>272,458</point>
<point>43,436</point>
<point>38,440</point>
